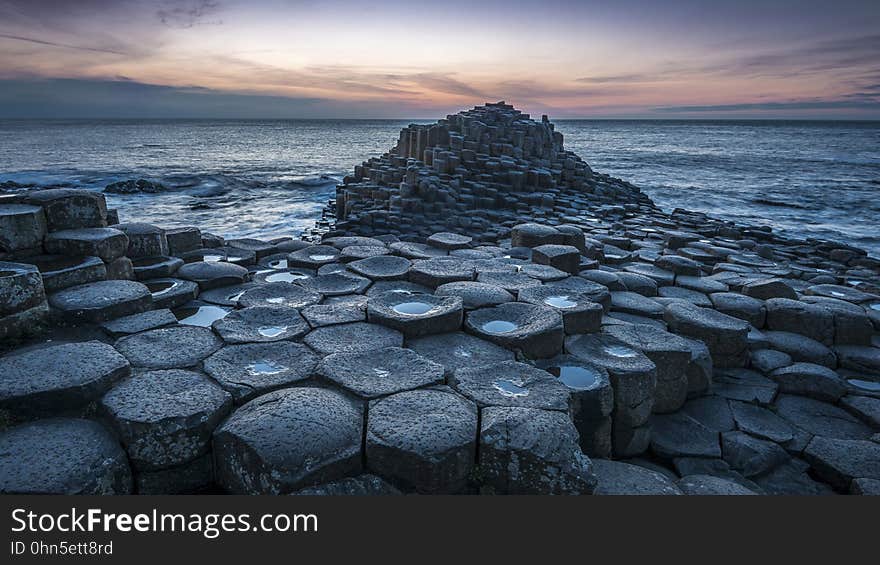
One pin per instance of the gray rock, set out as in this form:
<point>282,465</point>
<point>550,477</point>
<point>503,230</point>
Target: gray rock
<point>21,288</point>
<point>213,274</point>
<point>618,478</point>
<point>865,487</point>
<point>319,315</point>
<point>679,435</point>
<point>313,256</point>
<point>102,300</point>
<point>740,306</point>
<point>58,379</point>
<point>744,385</point>
<point>336,284</point>
<point>449,241</point>
<point>181,240</point>
<point>802,348</point>
<point>418,315</point>
<point>704,485</point>
<point>165,418</point>
<point>382,267</point>
<point>791,479</point>
<point>724,335</point>
<point>839,461</point>
<point>821,419</point>
<point>169,348</point>
<point>423,439</point>
<point>434,272</point>
<point>261,324</point>
<point>475,294</point>
<point>70,208</point>
<point>531,451</point>
<point>769,288</point>
<point>768,360</point>
<point>865,408</point>
<point>581,313</point>
<point>105,243</point>
<point>511,384</point>
<point>136,323</point>
<point>537,331</point>
<point>381,372</point>
<point>60,272</point>
<point>193,477</point>
<point>62,456</point>
<point>811,320</point>
<point>357,337</point>
<point>289,439</point>
<point>252,369</point>
<point>563,257</point>
<point>713,412</point>
<point>155,267</point>
<point>859,358</point>
<point>807,379</point>
<point>362,485</point>
<point>760,422</point>
<point>458,350</point>
<point>749,455</point>
<point>144,240</point>
<point>22,227</point>
<point>636,304</point>
<point>279,294</point>
<point>172,293</point>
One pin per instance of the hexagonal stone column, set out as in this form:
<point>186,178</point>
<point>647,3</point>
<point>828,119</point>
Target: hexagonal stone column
<point>458,350</point>
<point>382,267</point>
<point>22,228</point>
<point>213,274</point>
<point>416,315</point>
<point>252,369</point>
<point>512,384</point>
<point>21,288</point>
<point>634,378</point>
<point>537,331</point>
<point>531,451</point>
<point>434,272</point>
<point>288,439</point>
<point>725,336</point>
<point>68,208</point>
<point>181,240</point>
<point>533,235</point>
<point>372,374</point>
<point>580,312</point>
<point>62,456</point>
<point>58,379</point>
<point>144,240</point>
<point>106,243</point>
<point>423,439</point>
<point>165,418</point>
<point>174,347</point>
<point>261,324</point>
<point>811,320</point>
<point>102,300</point>
<point>563,257</point>
<point>352,338</point>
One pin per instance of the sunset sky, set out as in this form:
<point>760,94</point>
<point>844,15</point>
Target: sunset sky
<point>397,59</point>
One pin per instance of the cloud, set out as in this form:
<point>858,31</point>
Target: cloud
<point>187,13</point>
<point>848,104</point>
<point>62,45</point>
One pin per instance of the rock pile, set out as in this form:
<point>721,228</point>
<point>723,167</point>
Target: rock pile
<point>610,348</point>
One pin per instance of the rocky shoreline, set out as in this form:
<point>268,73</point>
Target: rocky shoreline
<point>477,311</point>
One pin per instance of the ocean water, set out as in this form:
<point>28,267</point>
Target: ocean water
<point>271,178</point>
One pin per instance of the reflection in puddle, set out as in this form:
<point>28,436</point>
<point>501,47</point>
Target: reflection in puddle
<point>285,277</point>
<point>322,257</point>
<point>413,308</point>
<point>875,306</point>
<point>203,316</point>
<point>212,258</point>
<point>578,378</point>
<point>510,388</point>
<point>498,327</point>
<point>160,288</point>
<point>865,385</point>
<point>620,351</point>
<point>837,294</point>
<point>279,264</point>
<point>275,300</point>
<point>265,368</point>
<point>235,297</point>
<point>560,302</point>
<point>381,372</point>
<point>271,331</point>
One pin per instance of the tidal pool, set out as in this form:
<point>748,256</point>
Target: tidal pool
<point>510,388</point>
<point>413,308</point>
<point>499,327</point>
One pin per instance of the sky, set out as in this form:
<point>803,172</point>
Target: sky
<point>422,60</point>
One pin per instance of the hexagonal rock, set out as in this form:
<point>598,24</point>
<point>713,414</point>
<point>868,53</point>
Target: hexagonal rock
<point>313,256</point>
<point>106,243</point>
<point>412,250</point>
<point>459,350</point>
<point>404,287</point>
<point>165,418</point>
<point>136,323</point>
<point>744,385</point>
<point>636,304</point>
<point>653,272</point>
<point>806,319</point>
<point>512,384</point>
<point>580,313</point>
<point>807,379</point>
<point>372,374</point>
<point>356,337</point>
<point>725,336</point>
<point>760,422</point>
<point>679,435</point>
<point>768,360</point>
<point>669,352</point>
<point>60,272</point>
<point>852,325</point>
<point>21,288</point>
<point>62,456</point>
<point>70,208</point>
<point>859,358</point>
<point>839,461</point>
<point>279,294</point>
<point>434,272</point>
<point>213,274</point>
<point>144,240</point>
<point>382,267</point>
<point>619,478</point>
<point>61,378</point>
<point>749,455</point>
<point>820,418</point>
<point>102,300</point>
<point>289,439</point>
<point>840,293</point>
<point>170,292</point>
<point>475,294</point>
<point>169,348</point>
<point>155,267</point>
<point>22,227</point>
<point>707,485</point>
<point>449,241</point>
<point>679,265</point>
<point>336,284</point>
<point>181,240</point>
<point>533,235</point>
<point>355,252</point>
<point>261,324</point>
<point>252,369</point>
<point>423,439</point>
<point>537,331</point>
<point>319,315</point>
<point>362,485</point>
<point>563,257</point>
<point>769,288</point>
<point>512,282</point>
<point>802,348</point>
<point>531,451</point>
<point>416,315</point>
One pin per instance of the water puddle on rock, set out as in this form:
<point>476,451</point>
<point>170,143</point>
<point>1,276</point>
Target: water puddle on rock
<point>510,388</point>
<point>203,316</point>
<point>498,327</point>
<point>874,306</point>
<point>275,300</point>
<point>265,368</point>
<point>271,331</point>
<point>160,288</point>
<point>212,258</point>
<point>560,302</point>
<point>574,377</point>
<point>235,297</point>
<point>413,308</point>
<point>285,277</point>
<point>278,264</point>
<point>865,385</point>
<point>620,351</point>
<point>382,373</point>
<point>322,257</point>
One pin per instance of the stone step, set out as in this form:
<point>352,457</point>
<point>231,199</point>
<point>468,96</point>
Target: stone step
<point>63,271</point>
<point>101,301</point>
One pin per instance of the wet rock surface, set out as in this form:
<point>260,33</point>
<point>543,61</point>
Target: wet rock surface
<point>516,321</point>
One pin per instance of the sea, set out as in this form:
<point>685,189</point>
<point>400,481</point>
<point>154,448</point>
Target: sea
<point>272,178</point>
